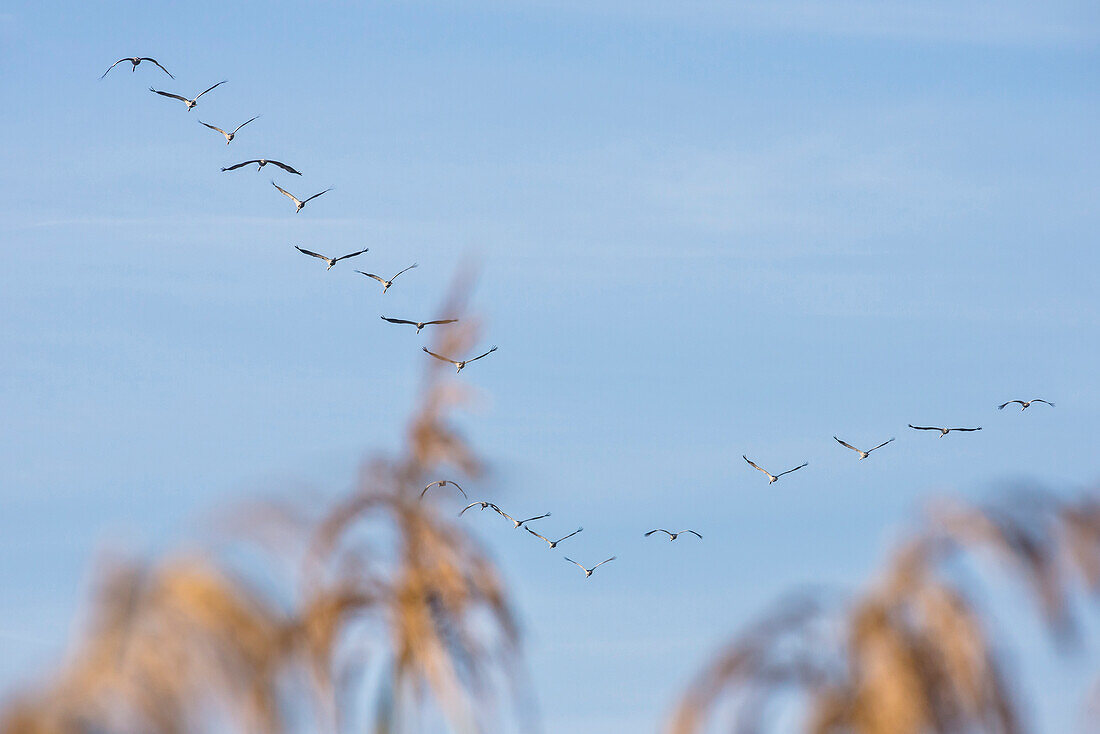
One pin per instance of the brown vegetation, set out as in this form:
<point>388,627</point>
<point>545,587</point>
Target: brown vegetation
<point>376,604</point>
<point>913,653</point>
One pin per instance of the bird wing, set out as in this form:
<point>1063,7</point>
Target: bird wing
<point>438,356</point>
<point>536,517</point>
<point>791,470</point>
<point>243,124</point>
<point>311,253</point>
<point>169,94</point>
<point>567,536</point>
<point>925,428</point>
<point>316,195</point>
<point>848,445</point>
<point>238,165</point>
<point>207,90</point>
<point>213,127</point>
<point>471,505</point>
<point>117,63</point>
<point>537,535</point>
<point>658,530</point>
<point>352,254</point>
<point>609,560</point>
<point>286,193</point>
<point>494,348</point>
<point>1010,402</point>
<point>575,563</point>
<point>414,265</point>
<point>697,535</point>
<point>753,465</point>
<point>398,321</point>
<point>879,446</point>
<point>966,429</point>
<point>372,275</point>
<point>440,321</point>
<point>1040,400</point>
<point>502,513</point>
<point>283,166</point>
<point>146,58</point>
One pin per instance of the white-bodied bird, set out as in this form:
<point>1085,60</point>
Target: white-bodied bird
<point>588,571</point>
<point>386,283</point>
<point>191,103</point>
<point>943,431</point>
<point>673,536</point>
<point>260,163</point>
<point>475,504</point>
<point>1025,404</point>
<point>862,454</point>
<point>228,136</point>
<point>772,477</point>
<point>443,483</point>
<point>298,203</point>
<point>330,260</point>
<point>553,543</point>
<point>459,363</point>
<point>419,324</point>
<point>135,60</point>
<point>517,523</point>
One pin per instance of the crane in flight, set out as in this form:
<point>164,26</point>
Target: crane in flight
<point>1025,404</point>
<point>772,477</point>
<point>673,536</point>
<point>298,203</point>
<point>943,431</point>
<point>135,60</point>
<point>330,260</point>
<point>553,543</point>
<point>862,454</point>
<point>228,136</point>
<point>459,363</point>
<point>191,103</point>
<point>588,571</point>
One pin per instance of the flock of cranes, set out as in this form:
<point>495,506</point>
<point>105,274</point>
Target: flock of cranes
<point>192,102</point>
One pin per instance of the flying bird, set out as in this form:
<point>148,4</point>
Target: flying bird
<point>1025,404</point>
<point>483,506</point>
<point>297,202</point>
<point>330,260</point>
<point>517,523</point>
<point>673,536</point>
<point>261,162</point>
<point>419,324</point>
<point>386,283</point>
<point>228,136</point>
<point>189,102</point>
<point>943,431</point>
<point>772,477</point>
<point>462,363</point>
<point>135,60</point>
<point>588,571</point>
<point>444,483</point>
<point>553,543</point>
<point>862,454</point>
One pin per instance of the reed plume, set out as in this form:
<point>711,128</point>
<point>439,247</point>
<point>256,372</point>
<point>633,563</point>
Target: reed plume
<point>369,612</point>
<point>913,653</point>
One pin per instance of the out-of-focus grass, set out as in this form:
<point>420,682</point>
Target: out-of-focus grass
<point>912,654</point>
<point>384,614</point>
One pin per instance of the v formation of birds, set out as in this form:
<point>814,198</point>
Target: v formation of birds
<point>460,364</point>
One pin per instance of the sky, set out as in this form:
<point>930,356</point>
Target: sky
<point>704,229</point>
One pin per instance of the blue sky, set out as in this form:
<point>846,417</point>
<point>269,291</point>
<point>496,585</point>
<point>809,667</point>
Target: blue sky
<point>703,231</point>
